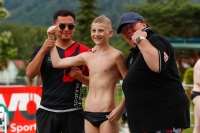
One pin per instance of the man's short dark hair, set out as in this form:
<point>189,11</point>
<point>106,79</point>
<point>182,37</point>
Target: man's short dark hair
<point>63,13</point>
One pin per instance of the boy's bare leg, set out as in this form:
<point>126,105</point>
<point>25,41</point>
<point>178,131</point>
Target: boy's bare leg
<point>89,128</point>
<point>197,114</point>
<point>109,127</point>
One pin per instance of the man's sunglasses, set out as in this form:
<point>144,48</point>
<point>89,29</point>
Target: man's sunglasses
<point>63,26</point>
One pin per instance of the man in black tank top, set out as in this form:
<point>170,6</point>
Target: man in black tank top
<point>61,103</point>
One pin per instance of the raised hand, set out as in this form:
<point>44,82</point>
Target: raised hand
<point>51,31</point>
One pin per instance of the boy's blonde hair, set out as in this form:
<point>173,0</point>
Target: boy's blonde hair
<point>103,19</point>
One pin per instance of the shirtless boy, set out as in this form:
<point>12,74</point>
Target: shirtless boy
<point>196,97</point>
<point>105,65</point>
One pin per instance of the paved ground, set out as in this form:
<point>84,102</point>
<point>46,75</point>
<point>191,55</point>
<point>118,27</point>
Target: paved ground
<point>124,129</point>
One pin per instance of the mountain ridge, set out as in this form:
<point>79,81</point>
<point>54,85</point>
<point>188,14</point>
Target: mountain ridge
<point>36,12</point>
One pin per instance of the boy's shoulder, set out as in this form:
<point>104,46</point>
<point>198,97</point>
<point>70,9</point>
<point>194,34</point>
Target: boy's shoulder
<point>117,51</point>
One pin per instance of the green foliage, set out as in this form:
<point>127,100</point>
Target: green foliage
<point>26,38</point>
<point>21,72</point>
<point>121,45</point>
<point>188,130</point>
<point>84,20</point>
<point>188,76</point>
<point>37,12</point>
<point>181,76</point>
<point>171,18</point>
<point>3,12</point>
<point>7,49</point>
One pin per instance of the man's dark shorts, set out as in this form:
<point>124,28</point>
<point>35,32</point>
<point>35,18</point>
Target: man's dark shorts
<point>67,122</point>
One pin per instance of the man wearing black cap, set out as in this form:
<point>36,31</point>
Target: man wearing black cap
<point>154,96</point>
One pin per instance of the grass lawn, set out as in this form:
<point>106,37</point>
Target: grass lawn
<point>189,130</point>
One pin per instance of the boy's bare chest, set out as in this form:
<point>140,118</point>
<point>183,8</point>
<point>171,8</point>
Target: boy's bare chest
<point>101,64</point>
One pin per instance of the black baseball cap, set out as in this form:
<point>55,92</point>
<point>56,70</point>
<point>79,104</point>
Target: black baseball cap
<point>126,18</point>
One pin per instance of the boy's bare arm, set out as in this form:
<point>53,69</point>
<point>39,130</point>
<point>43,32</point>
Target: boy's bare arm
<point>116,113</point>
<point>57,62</point>
<point>197,73</point>
<point>121,65</point>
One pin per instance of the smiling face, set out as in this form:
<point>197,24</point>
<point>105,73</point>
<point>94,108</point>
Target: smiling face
<point>65,33</point>
<point>129,29</point>
<point>100,33</point>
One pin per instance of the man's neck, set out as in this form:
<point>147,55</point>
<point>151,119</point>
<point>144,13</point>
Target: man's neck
<point>64,43</point>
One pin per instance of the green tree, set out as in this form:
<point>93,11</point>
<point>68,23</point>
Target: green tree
<point>188,76</point>
<point>7,50</point>
<point>121,45</point>
<point>3,12</point>
<point>26,38</point>
<point>171,18</point>
<point>85,17</point>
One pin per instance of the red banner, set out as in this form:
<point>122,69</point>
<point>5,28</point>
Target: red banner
<point>22,103</point>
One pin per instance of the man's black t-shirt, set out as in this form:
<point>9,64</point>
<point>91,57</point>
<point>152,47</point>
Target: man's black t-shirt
<point>60,91</point>
<point>155,101</point>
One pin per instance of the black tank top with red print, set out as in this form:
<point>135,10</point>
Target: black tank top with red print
<point>60,91</point>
